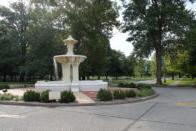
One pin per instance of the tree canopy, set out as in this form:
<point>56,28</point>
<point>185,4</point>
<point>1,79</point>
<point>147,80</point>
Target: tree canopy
<point>156,24</point>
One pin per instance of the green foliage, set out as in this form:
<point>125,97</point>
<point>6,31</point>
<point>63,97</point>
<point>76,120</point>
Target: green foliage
<point>67,97</point>
<point>121,84</point>
<point>119,94</point>
<point>143,86</point>
<point>32,33</point>
<point>127,85</point>
<point>132,85</point>
<point>145,92</point>
<point>4,86</point>
<point>44,96</point>
<point>8,97</point>
<point>31,96</point>
<point>130,93</point>
<point>156,25</point>
<point>104,95</point>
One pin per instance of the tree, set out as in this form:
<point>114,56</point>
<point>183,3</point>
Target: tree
<point>154,24</point>
<point>8,51</point>
<point>17,18</point>
<point>91,23</point>
<point>116,63</point>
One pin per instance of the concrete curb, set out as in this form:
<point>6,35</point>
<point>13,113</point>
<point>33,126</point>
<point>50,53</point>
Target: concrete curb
<point>115,102</point>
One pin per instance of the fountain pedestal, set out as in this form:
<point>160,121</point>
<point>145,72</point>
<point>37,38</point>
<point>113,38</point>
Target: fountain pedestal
<point>70,73</point>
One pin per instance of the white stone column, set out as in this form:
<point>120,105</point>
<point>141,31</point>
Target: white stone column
<point>55,69</point>
<point>75,72</point>
<point>66,73</point>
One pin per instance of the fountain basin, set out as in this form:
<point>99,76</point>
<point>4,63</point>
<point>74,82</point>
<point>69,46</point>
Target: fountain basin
<point>63,59</point>
<point>95,85</point>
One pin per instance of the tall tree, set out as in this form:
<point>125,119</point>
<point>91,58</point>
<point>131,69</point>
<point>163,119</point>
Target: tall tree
<point>154,24</point>
<point>18,17</point>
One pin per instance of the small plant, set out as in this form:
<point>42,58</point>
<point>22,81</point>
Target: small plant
<point>104,95</point>
<point>119,94</point>
<point>67,96</point>
<point>130,93</point>
<point>31,96</point>
<point>9,97</point>
<point>145,92</point>
<point>144,86</point>
<point>122,85</point>
<point>132,85</point>
<point>44,96</point>
<point>4,86</point>
<point>4,90</point>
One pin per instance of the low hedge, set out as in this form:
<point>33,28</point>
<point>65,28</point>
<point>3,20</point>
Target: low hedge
<point>145,92</point>
<point>44,96</point>
<point>4,86</point>
<point>119,94</point>
<point>9,97</point>
<point>127,85</point>
<point>130,93</point>
<point>143,86</point>
<point>67,97</point>
<point>31,96</point>
<point>104,95</point>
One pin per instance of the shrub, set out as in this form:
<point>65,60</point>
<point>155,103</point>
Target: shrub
<point>31,96</point>
<point>132,85</point>
<point>67,96</point>
<point>145,92</point>
<point>104,95</point>
<point>4,86</point>
<point>7,96</point>
<point>44,96</point>
<point>144,86</point>
<point>119,94</point>
<point>130,93</point>
<point>122,85</point>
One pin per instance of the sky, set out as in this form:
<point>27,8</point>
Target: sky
<point>118,41</point>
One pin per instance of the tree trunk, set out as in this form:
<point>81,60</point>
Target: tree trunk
<point>116,77</point>
<point>106,77</point>
<point>98,77</point>
<point>88,77</point>
<point>158,66</point>
<point>172,75</point>
<point>4,78</point>
<point>83,78</point>
<point>179,75</point>
<point>22,76</point>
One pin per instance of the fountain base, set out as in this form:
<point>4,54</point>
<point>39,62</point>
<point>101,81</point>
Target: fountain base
<point>75,86</point>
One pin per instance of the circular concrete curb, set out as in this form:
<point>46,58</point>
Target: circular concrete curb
<point>115,102</point>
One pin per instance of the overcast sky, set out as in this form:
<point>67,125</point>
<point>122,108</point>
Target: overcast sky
<point>118,41</point>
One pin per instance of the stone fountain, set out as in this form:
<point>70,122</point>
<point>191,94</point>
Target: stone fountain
<point>70,73</point>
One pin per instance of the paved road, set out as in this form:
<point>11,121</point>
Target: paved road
<point>173,110</point>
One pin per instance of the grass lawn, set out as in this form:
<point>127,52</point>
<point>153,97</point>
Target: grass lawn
<point>130,80</point>
<point>169,82</point>
<point>181,82</point>
<point>187,81</point>
<point>13,85</point>
<point>16,83</point>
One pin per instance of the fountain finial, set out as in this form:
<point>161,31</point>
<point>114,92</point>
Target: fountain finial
<point>70,42</point>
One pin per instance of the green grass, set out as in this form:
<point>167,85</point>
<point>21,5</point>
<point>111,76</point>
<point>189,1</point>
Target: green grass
<point>169,82</point>
<point>130,80</point>
<point>187,81</point>
<point>16,83</point>
<point>13,85</point>
<point>181,82</point>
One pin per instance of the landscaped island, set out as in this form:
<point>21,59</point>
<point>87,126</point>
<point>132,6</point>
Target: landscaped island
<point>114,94</point>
